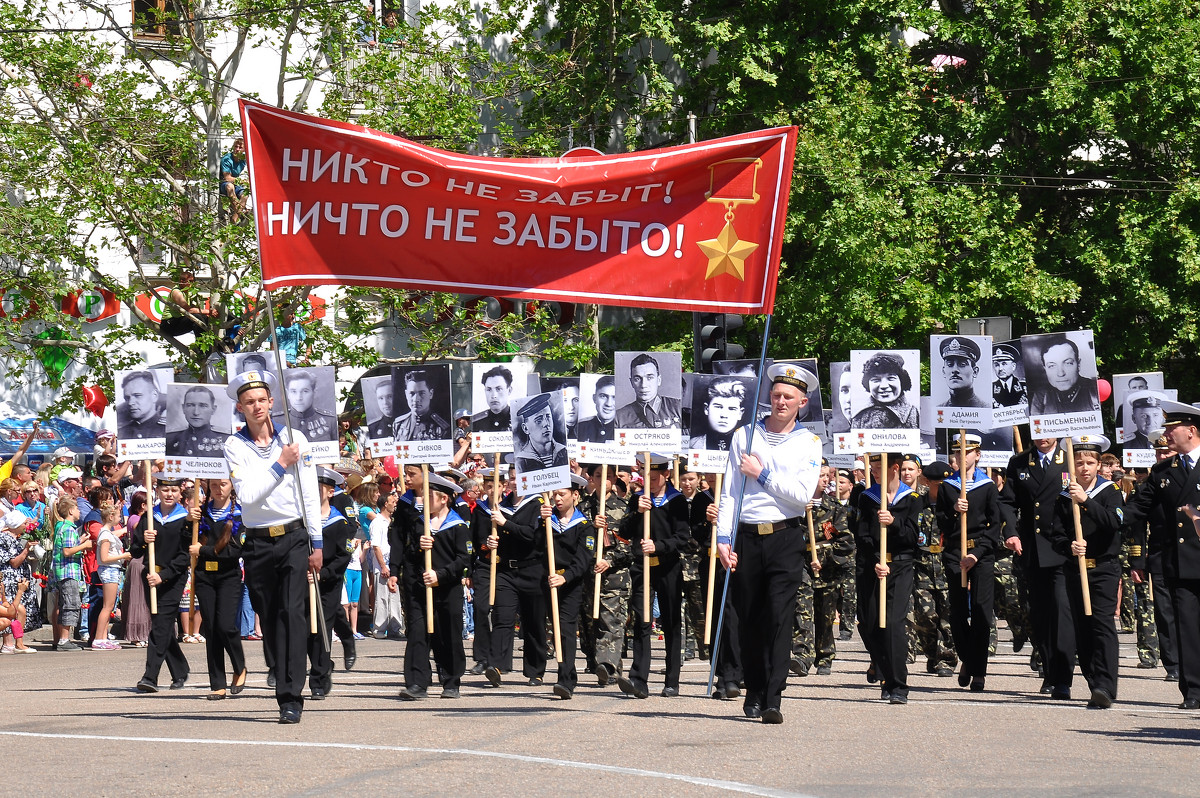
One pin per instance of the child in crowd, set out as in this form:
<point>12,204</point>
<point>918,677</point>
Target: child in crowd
<point>10,622</point>
<point>67,564</point>
<point>112,558</point>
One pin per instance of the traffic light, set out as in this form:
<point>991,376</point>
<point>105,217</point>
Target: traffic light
<point>711,332</point>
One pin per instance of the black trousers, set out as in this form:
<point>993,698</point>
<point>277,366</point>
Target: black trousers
<point>1185,595</point>
<point>1096,636</point>
<point>667,582</point>
<point>277,568</point>
<point>570,603</point>
<point>888,647</point>
<point>258,602</point>
<point>519,589</point>
<point>320,655</point>
<point>729,651</point>
<point>220,598</point>
<point>1164,614</point>
<point>1053,627</point>
<point>163,644</point>
<point>446,642</point>
<point>481,600</point>
<point>769,571</point>
<point>971,611</point>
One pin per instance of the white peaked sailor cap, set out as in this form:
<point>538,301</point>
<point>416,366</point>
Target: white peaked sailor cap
<point>1090,443</point>
<point>791,374</point>
<point>247,380</point>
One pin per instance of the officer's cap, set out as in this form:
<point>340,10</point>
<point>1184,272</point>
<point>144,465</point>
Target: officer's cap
<point>957,346</point>
<point>658,462</point>
<point>440,483</point>
<point>164,480</point>
<point>1144,399</point>
<point>973,440</point>
<point>327,476</point>
<point>791,374</point>
<point>248,380</point>
<point>1090,443</point>
<point>1161,443</point>
<point>1005,352</point>
<point>1180,413</point>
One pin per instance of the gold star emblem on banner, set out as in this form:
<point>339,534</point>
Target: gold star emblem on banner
<point>726,253</point>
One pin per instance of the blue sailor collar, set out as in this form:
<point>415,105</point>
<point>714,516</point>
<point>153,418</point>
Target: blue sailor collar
<point>574,521</point>
<point>452,520</point>
<point>668,494</point>
<point>1101,484</point>
<point>409,497</point>
<point>979,478</point>
<point>177,512</point>
<point>874,491</point>
<point>244,433</point>
<point>508,509</point>
<point>799,429</point>
<point>223,513</point>
<point>333,517</point>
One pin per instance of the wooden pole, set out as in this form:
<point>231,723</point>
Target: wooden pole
<point>963,484</point>
<point>195,540</point>
<point>812,539</point>
<point>712,565</point>
<point>600,533</point>
<point>1017,445</point>
<point>646,618</point>
<point>495,509</point>
<point>312,603</point>
<point>883,490</point>
<point>553,590</point>
<point>428,552</point>
<point>151,568</point>
<point>1083,578</point>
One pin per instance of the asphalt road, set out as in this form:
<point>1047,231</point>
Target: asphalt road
<point>71,723</point>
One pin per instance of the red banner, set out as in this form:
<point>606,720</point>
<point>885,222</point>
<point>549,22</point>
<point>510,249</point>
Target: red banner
<point>696,227</point>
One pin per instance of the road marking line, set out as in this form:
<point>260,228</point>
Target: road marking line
<point>719,784</point>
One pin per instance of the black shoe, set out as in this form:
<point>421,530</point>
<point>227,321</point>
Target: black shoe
<point>1190,703</point>
<point>718,693</point>
<point>563,692</point>
<point>629,688</point>
<point>603,674</point>
<point>824,670</point>
<point>351,658</point>
<point>872,677</point>
<point>271,683</point>
<point>845,634</point>
<point>945,672</point>
<point>239,683</point>
<point>898,698</point>
<point>177,684</point>
<point>216,695</point>
<point>1018,644</point>
<point>772,716</point>
<point>493,676</point>
<point>1172,675</point>
<point>732,689</point>
<point>670,692</point>
<point>478,669</point>
<point>977,684</point>
<point>318,694</point>
<point>1060,693</point>
<point>413,693</point>
<point>964,678</point>
<point>289,714</point>
<point>797,667</point>
<point>1146,666</point>
<point>535,681</point>
<point>449,692</point>
<point>885,694</point>
<point>1046,688</point>
<point>1100,699</point>
<point>753,710</point>
<point>146,686</point>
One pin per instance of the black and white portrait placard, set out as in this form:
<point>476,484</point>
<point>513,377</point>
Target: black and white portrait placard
<point>1124,387</point>
<point>312,402</point>
<point>198,420</point>
<point>719,406</point>
<point>1060,373</point>
<point>422,430</point>
<point>540,443</point>
<point>493,387</point>
<point>141,413</point>
<point>1010,398</point>
<point>379,407</point>
<point>749,368</point>
<point>569,388</point>
<point>596,429</point>
<point>649,400</point>
<point>839,384</point>
<point>812,415</point>
<point>885,396</point>
<point>960,380</point>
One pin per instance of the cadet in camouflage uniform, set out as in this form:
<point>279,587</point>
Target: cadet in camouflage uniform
<point>930,619</point>
<point>847,602</point>
<point>605,636</point>
<point>1010,601</point>
<point>803,632</point>
<point>1138,594</point>
<point>694,586</point>
<point>835,555</point>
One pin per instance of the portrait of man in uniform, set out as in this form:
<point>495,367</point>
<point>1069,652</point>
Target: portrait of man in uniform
<point>650,409</point>
<point>310,403</point>
<point>425,395</point>
<point>141,406</point>
<point>497,388</point>
<point>718,409</point>
<point>569,387</point>
<point>1008,389</point>
<point>198,437</point>
<point>958,373</point>
<point>1056,360</point>
<point>1147,415</point>
<point>888,384</point>
<point>539,440</point>
<point>379,399</point>
<point>599,428</point>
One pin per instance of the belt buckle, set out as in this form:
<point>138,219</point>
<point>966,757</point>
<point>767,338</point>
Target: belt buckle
<point>157,569</point>
<point>970,544</point>
<point>653,561</point>
<point>210,565</point>
<point>511,564</point>
<point>277,530</point>
<point>766,529</point>
<point>887,558</point>
<point>1089,563</point>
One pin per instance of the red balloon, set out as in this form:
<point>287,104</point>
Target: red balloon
<point>1104,388</point>
<point>94,400</point>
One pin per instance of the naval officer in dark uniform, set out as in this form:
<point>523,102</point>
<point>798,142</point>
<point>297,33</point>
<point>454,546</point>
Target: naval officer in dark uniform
<point>1007,390</point>
<point>199,439</point>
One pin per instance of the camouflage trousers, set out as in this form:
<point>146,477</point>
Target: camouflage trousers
<point>825,589</point>
<point>1139,595</point>
<point>928,618</point>
<point>1011,604</point>
<point>694,596</point>
<point>1128,619</point>
<point>803,637</point>
<point>603,639</point>
<point>847,599</point>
